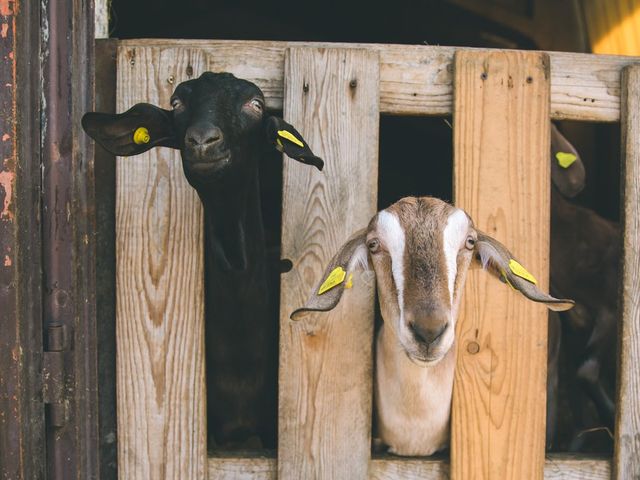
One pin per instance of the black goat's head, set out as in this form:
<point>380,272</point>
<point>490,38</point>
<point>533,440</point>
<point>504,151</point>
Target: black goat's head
<point>217,122</point>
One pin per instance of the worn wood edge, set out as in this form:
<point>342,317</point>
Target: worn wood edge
<point>488,439</point>
<point>325,438</point>
<point>182,410</point>
<point>264,467</point>
<point>627,441</point>
<point>418,79</point>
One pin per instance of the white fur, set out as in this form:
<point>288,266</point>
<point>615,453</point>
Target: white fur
<point>392,235</point>
<point>413,403</point>
<point>454,234</point>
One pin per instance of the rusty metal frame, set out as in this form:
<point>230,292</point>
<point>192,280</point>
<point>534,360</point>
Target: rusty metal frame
<point>48,354</point>
<point>21,408</point>
<point>68,227</point>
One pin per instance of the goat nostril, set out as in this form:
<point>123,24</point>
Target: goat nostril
<point>198,136</point>
<point>425,335</point>
<point>211,139</point>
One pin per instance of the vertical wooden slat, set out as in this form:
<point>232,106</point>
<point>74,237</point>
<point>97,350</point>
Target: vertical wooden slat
<point>627,433</point>
<point>501,177</point>
<point>331,96</point>
<point>160,297</point>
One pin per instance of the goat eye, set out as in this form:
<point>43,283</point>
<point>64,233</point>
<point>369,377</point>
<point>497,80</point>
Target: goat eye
<point>373,245</point>
<point>176,103</point>
<point>470,243</point>
<point>255,105</point>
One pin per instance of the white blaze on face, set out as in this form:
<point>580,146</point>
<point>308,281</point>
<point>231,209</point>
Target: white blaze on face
<point>453,235</point>
<point>392,234</point>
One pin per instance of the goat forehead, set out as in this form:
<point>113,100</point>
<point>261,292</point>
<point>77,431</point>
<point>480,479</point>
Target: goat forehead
<point>224,88</point>
<point>423,220</point>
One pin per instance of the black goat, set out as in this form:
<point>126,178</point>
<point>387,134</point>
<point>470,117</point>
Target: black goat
<point>585,256</point>
<point>219,125</point>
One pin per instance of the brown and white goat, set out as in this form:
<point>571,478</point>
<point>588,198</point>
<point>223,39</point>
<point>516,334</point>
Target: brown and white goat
<point>420,250</point>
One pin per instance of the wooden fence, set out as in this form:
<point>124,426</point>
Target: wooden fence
<point>501,103</point>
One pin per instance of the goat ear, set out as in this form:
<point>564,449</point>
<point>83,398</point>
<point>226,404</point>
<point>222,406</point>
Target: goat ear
<point>353,255</point>
<point>567,169</point>
<point>498,261</point>
<point>286,139</point>
<point>137,130</point>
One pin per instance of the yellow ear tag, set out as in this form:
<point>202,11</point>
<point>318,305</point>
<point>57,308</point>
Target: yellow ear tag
<point>520,271</point>
<point>565,159</point>
<point>336,277</point>
<point>141,135</point>
<point>291,137</point>
<point>349,283</point>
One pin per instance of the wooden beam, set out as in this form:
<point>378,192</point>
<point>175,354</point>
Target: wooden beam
<point>627,431</point>
<point>501,178</point>
<point>326,361</point>
<point>160,296</point>
<point>418,79</point>
<point>556,467</point>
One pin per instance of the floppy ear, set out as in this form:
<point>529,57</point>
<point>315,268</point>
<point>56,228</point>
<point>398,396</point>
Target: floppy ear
<point>287,140</point>
<point>567,169</point>
<point>327,293</point>
<point>497,260</point>
<point>137,130</point>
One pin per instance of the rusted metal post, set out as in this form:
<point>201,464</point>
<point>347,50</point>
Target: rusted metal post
<point>21,409</point>
<point>68,227</point>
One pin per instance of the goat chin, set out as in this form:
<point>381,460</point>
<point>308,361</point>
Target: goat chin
<point>413,411</point>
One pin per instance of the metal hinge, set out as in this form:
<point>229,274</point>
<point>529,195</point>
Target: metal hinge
<point>53,376</point>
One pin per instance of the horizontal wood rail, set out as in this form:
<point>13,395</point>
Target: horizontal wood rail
<point>418,79</point>
<point>556,467</point>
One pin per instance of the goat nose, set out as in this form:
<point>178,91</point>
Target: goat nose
<point>203,135</point>
<point>427,336</point>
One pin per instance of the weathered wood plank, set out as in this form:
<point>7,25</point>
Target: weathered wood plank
<point>501,178</point>
<point>627,432</point>
<point>556,467</point>
<point>418,79</point>
<point>325,361</point>
<point>160,297</point>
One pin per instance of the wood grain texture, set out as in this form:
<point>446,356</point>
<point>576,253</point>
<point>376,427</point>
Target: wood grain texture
<point>556,467</point>
<point>160,295</point>
<point>627,431</point>
<point>325,361</point>
<point>418,79</point>
<point>501,178</point>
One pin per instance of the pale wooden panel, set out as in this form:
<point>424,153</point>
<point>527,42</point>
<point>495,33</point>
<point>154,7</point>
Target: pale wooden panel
<point>325,361</point>
<point>501,178</point>
<point>627,432</point>
<point>101,16</point>
<point>244,466</point>
<point>160,296</point>
<point>418,79</point>
<point>556,467</point>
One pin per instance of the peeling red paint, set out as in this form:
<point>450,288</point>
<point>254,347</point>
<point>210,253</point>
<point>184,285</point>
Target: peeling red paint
<point>6,137</point>
<point>3,30</point>
<point>8,7</point>
<point>7,261</point>
<point>6,182</point>
<point>10,55</point>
